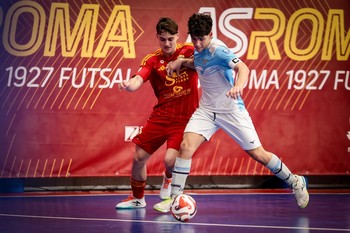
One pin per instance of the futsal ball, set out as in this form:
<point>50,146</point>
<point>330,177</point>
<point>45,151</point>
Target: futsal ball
<point>183,207</point>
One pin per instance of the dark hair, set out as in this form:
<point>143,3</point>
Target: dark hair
<point>199,24</point>
<point>167,25</point>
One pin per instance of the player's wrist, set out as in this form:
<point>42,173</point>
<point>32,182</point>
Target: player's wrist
<point>188,62</point>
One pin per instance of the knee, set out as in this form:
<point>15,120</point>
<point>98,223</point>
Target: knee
<point>186,149</point>
<point>140,156</point>
<point>169,162</point>
<point>260,155</point>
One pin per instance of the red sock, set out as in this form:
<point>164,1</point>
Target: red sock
<point>138,188</point>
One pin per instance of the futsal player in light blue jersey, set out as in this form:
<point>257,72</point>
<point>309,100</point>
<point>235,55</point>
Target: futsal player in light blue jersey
<point>221,106</point>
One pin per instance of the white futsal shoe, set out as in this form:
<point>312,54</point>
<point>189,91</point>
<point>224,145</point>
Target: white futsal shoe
<point>300,192</point>
<point>165,189</point>
<point>131,203</point>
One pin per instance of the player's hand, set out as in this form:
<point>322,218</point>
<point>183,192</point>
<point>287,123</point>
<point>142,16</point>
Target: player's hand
<point>174,66</point>
<point>123,85</point>
<point>235,92</point>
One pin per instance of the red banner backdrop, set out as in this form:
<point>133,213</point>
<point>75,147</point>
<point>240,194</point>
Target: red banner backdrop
<point>62,114</point>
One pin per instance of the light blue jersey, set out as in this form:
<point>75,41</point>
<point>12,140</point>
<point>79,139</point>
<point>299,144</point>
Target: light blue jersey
<point>214,67</point>
<point>216,77</point>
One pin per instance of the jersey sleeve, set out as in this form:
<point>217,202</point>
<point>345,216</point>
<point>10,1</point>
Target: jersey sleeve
<point>227,57</point>
<point>189,50</point>
<point>228,60</point>
<point>146,67</point>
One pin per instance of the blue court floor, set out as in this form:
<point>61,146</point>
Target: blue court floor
<point>218,212</point>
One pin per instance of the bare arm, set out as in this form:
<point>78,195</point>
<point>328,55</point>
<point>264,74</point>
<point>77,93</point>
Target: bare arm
<point>132,84</point>
<point>241,78</point>
<point>175,66</point>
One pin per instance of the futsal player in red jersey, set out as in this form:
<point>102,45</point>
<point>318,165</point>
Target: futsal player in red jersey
<point>177,100</point>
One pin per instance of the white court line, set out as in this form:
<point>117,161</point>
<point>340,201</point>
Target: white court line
<point>165,222</point>
<point>156,194</point>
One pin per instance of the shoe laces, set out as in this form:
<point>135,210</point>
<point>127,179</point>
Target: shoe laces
<point>166,183</point>
<point>298,185</point>
<point>129,198</point>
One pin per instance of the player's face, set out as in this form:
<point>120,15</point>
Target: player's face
<point>201,42</point>
<point>167,43</point>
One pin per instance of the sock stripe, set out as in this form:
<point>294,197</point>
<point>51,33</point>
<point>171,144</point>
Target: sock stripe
<point>287,178</point>
<point>278,170</point>
<point>183,173</point>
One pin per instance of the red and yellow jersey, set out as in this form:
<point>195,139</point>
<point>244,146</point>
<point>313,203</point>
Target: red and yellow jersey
<point>177,95</point>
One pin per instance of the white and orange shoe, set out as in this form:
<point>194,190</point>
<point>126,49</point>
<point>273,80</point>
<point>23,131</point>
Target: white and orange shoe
<point>131,203</point>
<point>165,189</point>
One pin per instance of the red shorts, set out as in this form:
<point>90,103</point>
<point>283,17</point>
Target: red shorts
<point>156,132</point>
